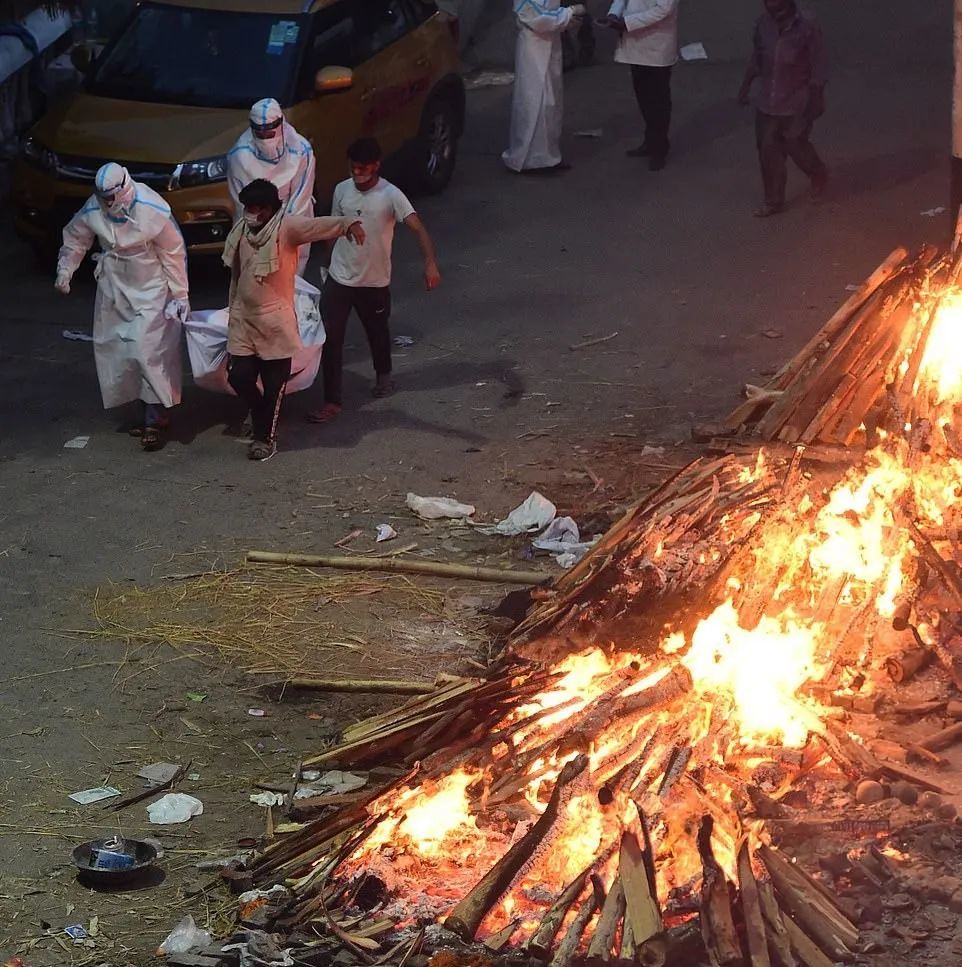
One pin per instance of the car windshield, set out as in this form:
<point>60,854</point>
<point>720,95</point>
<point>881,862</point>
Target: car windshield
<point>206,58</point>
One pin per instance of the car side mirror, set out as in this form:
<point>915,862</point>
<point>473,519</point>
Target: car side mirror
<point>82,57</point>
<point>330,79</point>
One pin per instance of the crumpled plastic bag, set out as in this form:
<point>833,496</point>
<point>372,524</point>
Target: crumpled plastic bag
<point>533,515</point>
<point>184,938</point>
<point>175,807</point>
<point>268,798</point>
<point>437,508</point>
<point>562,539</point>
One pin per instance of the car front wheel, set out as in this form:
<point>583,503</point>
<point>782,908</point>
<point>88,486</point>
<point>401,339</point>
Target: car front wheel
<point>436,149</point>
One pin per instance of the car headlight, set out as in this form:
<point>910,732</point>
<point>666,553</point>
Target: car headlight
<point>34,152</point>
<point>193,173</point>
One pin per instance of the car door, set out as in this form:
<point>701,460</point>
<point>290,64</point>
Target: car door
<point>330,120</point>
<point>388,57</point>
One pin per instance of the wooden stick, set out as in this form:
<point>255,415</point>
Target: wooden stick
<point>463,571</point>
<point>363,685</point>
<point>592,342</point>
<point>717,926</point>
<point>643,913</point>
<point>751,909</point>
<point>903,667</point>
<point>572,939</point>
<point>466,917</point>
<point>943,739</point>
<point>133,798</point>
<point>779,943</point>
<point>599,950</point>
<point>541,942</point>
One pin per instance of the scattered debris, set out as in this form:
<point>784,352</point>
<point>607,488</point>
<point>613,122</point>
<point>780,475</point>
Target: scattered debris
<point>87,796</point>
<point>933,212</point>
<point>649,451</point>
<point>527,518</point>
<point>593,134</point>
<point>174,808</point>
<point>258,713</point>
<point>695,51</point>
<point>772,333</point>
<point>77,932</point>
<point>438,508</point>
<point>197,696</point>
<point>77,443</point>
<point>184,938</point>
<point>267,799</point>
<point>403,341</point>
<point>158,774</point>
<point>592,342</point>
<point>75,335</point>
<point>385,532</point>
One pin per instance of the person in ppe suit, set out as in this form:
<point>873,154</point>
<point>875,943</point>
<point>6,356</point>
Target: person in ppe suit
<point>141,298</point>
<point>536,104</point>
<point>262,335</point>
<point>273,150</point>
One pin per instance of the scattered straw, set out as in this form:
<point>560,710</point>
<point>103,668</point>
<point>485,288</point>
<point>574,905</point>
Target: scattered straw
<point>286,622</point>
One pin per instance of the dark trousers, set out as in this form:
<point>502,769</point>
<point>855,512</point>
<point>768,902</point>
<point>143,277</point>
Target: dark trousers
<point>265,407</point>
<point>155,415</point>
<point>373,308</point>
<point>781,138</point>
<point>653,93</point>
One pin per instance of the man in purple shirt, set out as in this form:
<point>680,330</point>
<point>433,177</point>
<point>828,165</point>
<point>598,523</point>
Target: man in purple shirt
<point>785,81</point>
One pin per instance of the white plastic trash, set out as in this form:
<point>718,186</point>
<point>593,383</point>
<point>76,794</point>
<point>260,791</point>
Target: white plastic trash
<point>437,508</point>
<point>184,938</point>
<point>207,343</point>
<point>174,808</point>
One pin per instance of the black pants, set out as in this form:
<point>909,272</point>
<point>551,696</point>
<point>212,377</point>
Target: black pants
<point>265,407</point>
<point>653,93</point>
<point>373,307</point>
<point>781,138</point>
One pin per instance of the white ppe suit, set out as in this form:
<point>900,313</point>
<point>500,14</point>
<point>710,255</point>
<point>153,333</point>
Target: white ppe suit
<point>286,160</point>
<point>141,288</point>
<point>537,110</point>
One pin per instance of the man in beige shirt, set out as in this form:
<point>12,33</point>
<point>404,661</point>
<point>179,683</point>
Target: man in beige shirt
<point>262,335</point>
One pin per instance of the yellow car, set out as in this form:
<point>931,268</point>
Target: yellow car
<point>170,94</point>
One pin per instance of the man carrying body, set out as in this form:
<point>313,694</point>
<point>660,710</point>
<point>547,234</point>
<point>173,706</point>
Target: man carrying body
<point>141,295</point>
<point>360,279</point>
<point>273,150</point>
<point>785,80</point>
<point>262,336</point>
<point>648,42</point>
<point>537,100</point>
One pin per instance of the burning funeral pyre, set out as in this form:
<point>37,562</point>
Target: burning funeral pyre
<point>616,788</point>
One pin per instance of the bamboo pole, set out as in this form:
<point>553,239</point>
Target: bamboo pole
<point>465,572</point>
<point>363,685</point>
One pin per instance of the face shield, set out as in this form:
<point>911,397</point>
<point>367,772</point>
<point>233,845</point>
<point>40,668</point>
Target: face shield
<point>267,127</point>
<point>115,190</point>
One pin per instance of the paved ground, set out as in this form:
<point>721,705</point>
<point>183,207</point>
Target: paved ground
<point>491,402</point>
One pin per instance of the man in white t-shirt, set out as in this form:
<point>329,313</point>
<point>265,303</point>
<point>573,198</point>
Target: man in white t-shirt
<point>361,282</point>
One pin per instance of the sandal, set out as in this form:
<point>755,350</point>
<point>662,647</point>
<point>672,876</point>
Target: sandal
<point>766,211</point>
<point>259,450</point>
<point>328,412</point>
<point>150,439</point>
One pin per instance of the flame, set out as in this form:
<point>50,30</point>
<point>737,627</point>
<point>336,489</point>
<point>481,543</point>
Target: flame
<point>761,670</point>
<point>941,364</point>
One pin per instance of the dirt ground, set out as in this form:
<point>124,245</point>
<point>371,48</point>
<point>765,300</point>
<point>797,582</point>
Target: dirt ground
<point>493,404</point>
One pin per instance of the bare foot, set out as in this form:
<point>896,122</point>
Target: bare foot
<point>328,412</point>
<point>383,387</point>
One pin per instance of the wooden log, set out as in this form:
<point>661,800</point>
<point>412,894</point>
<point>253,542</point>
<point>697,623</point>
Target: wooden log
<point>779,942</point>
<point>465,572</point>
<point>568,948</point>
<point>751,910</point>
<point>543,938</point>
<point>822,920</point>
<point>803,947</point>
<point>943,739</point>
<point>717,925</point>
<point>466,917</point>
<point>839,318</point>
<point>954,710</point>
<point>926,708</point>
<point>904,667</point>
<point>679,945</point>
<point>603,940</point>
<point>642,911</point>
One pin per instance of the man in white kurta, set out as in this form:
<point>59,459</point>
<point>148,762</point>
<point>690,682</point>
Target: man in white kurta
<point>272,149</point>
<point>141,294</point>
<point>537,111</point>
<point>648,42</point>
